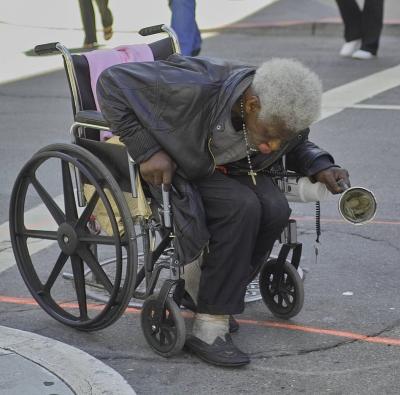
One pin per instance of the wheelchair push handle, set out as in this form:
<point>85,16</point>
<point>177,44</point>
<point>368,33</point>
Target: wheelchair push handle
<point>45,49</point>
<point>166,205</point>
<point>148,31</point>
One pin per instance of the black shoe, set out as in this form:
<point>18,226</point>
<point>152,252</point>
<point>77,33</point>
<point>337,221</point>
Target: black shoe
<point>188,303</point>
<point>220,353</point>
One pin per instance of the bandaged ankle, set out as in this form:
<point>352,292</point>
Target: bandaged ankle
<point>208,327</point>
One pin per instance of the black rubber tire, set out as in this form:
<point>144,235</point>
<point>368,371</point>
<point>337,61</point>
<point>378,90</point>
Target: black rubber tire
<point>168,338</point>
<point>121,287</point>
<point>284,298</point>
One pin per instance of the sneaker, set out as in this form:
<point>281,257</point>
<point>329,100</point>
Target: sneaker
<point>221,353</point>
<point>362,55</point>
<point>188,303</point>
<point>349,48</point>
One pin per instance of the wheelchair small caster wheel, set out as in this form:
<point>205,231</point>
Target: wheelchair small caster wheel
<point>167,334</point>
<point>282,290</point>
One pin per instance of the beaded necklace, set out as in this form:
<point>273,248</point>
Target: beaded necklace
<point>251,173</point>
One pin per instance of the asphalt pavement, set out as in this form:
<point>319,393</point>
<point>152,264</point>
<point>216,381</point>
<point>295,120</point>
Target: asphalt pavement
<point>347,338</point>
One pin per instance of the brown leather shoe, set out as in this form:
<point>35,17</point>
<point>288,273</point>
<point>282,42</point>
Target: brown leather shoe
<point>90,45</point>
<point>108,32</point>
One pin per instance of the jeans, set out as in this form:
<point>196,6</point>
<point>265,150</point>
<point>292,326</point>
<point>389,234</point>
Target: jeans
<point>183,21</point>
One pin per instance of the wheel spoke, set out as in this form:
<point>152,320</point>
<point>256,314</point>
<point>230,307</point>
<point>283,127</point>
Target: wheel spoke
<point>96,268</point>
<point>87,212</point>
<point>274,294</point>
<point>40,234</point>
<point>286,299</point>
<point>291,292</point>
<point>168,333</point>
<point>51,205</point>
<point>162,338</point>
<point>55,272</point>
<point>275,280</point>
<point>79,281</point>
<point>69,196</point>
<point>97,239</point>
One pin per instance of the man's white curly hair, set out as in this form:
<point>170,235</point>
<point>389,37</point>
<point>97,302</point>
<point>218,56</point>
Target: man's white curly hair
<point>289,93</point>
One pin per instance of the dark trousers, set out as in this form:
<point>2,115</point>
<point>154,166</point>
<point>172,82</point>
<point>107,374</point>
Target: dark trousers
<point>244,222</point>
<point>365,24</point>
<point>89,20</point>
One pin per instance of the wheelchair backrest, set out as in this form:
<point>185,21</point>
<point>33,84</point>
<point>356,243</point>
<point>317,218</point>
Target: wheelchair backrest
<point>161,50</point>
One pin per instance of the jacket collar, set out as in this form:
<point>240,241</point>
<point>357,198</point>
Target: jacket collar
<point>230,92</point>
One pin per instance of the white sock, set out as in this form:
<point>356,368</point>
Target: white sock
<point>208,327</point>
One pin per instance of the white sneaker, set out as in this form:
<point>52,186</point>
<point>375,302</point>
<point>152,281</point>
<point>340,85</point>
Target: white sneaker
<point>349,48</point>
<point>362,55</point>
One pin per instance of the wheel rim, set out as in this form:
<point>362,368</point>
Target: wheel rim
<point>73,239</point>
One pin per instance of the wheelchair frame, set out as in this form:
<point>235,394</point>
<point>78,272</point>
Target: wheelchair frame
<point>163,326</point>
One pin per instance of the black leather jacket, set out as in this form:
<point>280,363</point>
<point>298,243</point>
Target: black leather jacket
<point>178,104</point>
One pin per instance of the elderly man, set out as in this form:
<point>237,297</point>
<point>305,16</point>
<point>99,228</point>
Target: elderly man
<point>217,124</point>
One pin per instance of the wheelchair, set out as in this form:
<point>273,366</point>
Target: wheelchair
<point>124,262</point>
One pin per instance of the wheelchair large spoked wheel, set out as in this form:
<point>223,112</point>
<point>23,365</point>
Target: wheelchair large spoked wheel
<point>166,336</point>
<point>282,290</point>
<point>55,237</point>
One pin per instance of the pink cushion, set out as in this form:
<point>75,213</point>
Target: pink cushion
<point>101,59</point>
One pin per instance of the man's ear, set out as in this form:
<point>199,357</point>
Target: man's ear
<point>252,104</point>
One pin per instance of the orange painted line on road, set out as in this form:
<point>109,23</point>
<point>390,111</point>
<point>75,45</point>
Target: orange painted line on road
<point>269,324</point>
<point>32,302</point>
<point>320,331</point>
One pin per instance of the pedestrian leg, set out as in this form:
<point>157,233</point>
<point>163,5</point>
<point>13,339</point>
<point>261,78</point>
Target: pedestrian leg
<point>106,18</point>
<point>372,23</point>
<point>183,21</point>
<point>352,19</point>
<point>88,21</point>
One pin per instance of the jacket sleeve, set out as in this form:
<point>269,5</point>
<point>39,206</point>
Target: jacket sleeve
<point>308,159</point>
<point>122,118</point>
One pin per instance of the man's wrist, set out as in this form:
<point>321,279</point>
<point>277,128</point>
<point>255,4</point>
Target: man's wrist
<point>322,163</point>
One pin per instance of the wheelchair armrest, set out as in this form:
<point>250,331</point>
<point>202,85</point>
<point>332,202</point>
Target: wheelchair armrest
<point>91,117</point>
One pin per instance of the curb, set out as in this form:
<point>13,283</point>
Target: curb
<point>323,27</point>
<point>81,372</point>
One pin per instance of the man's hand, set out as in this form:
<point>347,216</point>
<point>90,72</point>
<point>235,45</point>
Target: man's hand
<point>334,178</point>
<point>159,169</point>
